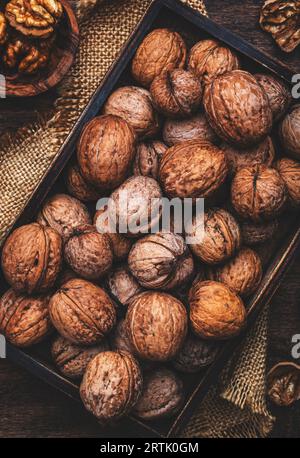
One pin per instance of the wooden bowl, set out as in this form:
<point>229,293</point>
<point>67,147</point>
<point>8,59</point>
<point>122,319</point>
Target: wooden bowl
<point>62,57</point>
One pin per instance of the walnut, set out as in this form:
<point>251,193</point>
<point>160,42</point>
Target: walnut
<point>111,385</point>
<point>156,325</point>
<point>161,50</point>
<point>256,233</point>
<point>263,153</point>
<point>208,59</point>
<point>283,383</point>
<point>216,312</point>
<point>63,213</point>
<point>119,338</point>
<point>105,151</point>
<point>195,128</point>
<point>278,93</point>
<point>162,395</point>
<point>176,93</point>
<point>290,132</point>
<point>71,359</point>
<point>123,286</point>
<point>290,173</point>
<point>258,193</point>
<point>24,320</point>
<point>78,187</point>
<point>34,18</point>
<point>3,29</point>
<point>148,157</point>
<point>242,274</point>
<point>135,106</point>
<point>161,261</point>
<point>89,253</point>
<point>82,312</point>
<point>31,258</point>
<point>25,57</point>
<point>281,19</point>
<point>195,354</point>
<point>221,239</point>
<point>192,169</point>
<point>141,209</point>
<point>238,108</point>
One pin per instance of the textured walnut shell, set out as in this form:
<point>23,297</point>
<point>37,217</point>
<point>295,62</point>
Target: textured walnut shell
<point>176,93</point>
<point>148,157</point>
<point>196,128</point>
<point>195,354</point>
<point>221,240</point>
<point>3,29</point>
<point>256,233</point>
<point>105,151</point>
<point>24,320</point>
<point>290,132</point>
<point>82,312</point>
<point>192,169</point>
<point>78,187</point>
<point>111,385</point>
<point>278,94</point>
<point>216,312</point>
<point>134,105</point>
<point>161,261</point>
<point>258,193</point>
<point>208,59</point>
<point>71,359</point>
<point>31,258</point>
<point>123,286</point>
<point>263,153</point>
<point>119,338</point>
<point>238,108</point>
<point>156,325</point>
<point>63,213</point>
<point>283,383</point>
<point>161,50</point>
<point>89,253</point>
<point>290,173</point>
<point>162,395</point>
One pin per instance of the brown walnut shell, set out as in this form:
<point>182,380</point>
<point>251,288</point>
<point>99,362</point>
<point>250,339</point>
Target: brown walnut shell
<point>196,128</point>
<point>256,233</point>
<point>283,384</point>
<point>123,286</point>
<point>216,312</point>
<point>290,132</point>
<point>238,108</point>
<point>148,157</point>
<point>290,173</point>
<point>78,187</point>
<point>31,258</point>
<point>161,50</point>
<point>82,312</point>
<point>3,29</point>
<point>105,151</point>
<point>195,354</point>
<point>24,320</point>
<point>278,93</point>
<point>156,325</point>
<point>258,193</point>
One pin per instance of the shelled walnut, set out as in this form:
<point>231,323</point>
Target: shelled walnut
<point>257,233</point>
<point>26,57</point>
<point>78,187</point>
<point>290,173</point>
<point>278,94</point>
<point>24,320</point>
<point>283,383</point>
<point>148,157</point>
<point>3,29</point>
<point>161,50</point>
<point>31,258</point>
<point>122,285</point>
<point>290,132</point>
<point>195,354</point>
<point>195,128</point>
<point>216,312</point>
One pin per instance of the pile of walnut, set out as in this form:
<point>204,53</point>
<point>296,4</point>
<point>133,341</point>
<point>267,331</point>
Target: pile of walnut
<point>27,34</point>
<point>124,304</point>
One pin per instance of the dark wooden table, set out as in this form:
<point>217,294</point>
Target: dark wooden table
<point>30,408</point>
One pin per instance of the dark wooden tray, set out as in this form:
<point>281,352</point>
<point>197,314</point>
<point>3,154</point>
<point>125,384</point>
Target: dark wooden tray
<point>193,26</point>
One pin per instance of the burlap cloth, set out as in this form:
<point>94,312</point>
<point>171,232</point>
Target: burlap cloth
<point>236,406</point>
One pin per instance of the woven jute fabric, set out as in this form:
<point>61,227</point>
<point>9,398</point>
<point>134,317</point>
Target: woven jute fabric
<point>235,407</point>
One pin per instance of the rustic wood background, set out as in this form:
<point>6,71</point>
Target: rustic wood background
<point>30,408</point>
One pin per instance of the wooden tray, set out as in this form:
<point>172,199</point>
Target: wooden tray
<point>193,26</point>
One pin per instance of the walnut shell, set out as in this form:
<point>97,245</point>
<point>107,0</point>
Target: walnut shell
<point>156,325</point>
<point>24,320</point>
<point>238,108</point>
<point>71,359</point>
<point>63,213</point>
<point>290,132</point>
<point>161,261</point>
<point>134,105</point>
<point>111,385</point>
<point>216,312</point>
<point>3,29</point>
<point>161,50</point>
<point>119,338</point>
<point>31,258</point>
<point>162,395</point>
<point>221,240</point>
<point>78,187</point>
<point>176,93</point>
<point>290,173</point>
<point>195,354</point>
<point>192,169</point>
<point>89,253</point>
<point>256,233</point>
<point>258,193</point>
<point>208,59</point>
<point>82,312</point>
<point>278,93</point>
<point>105,151</point>
<point>283,383</point>
<point>196,128</point>
<point>123,286</point>
<point>148,157</point>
